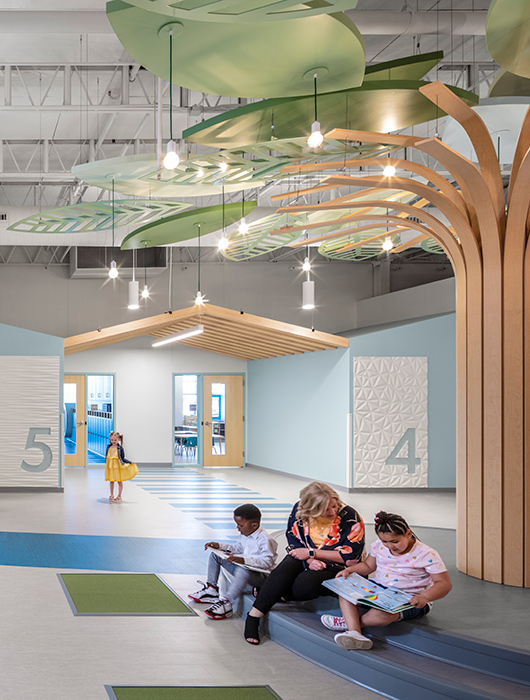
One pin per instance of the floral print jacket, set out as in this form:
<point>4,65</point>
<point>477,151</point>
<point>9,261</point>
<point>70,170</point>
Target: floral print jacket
<point>345,536</point>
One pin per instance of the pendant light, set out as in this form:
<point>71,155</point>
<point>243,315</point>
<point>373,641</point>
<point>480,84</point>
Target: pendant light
<point>308,287</point>
<point>243,226</point>
<point>113,269</point>
<point>134,290</point>
<point>315,138</point>
<point>200,300</point>
<point>145,290</point>
<point>389,171</point>
<point>171,159</point>
<point>388,244</point>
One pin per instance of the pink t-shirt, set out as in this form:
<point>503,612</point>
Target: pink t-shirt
<point>409,572</point>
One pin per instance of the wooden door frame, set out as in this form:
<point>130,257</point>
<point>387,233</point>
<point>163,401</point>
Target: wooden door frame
<point>85,375</point>
<point>200,375</point>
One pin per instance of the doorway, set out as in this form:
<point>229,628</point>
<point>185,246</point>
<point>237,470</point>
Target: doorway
<point>208,420</point>
<point>74,420</point>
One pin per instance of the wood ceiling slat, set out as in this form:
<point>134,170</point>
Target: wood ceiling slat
<point>227,332</point>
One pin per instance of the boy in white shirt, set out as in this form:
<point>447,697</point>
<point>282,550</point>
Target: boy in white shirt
<point>253,548</point>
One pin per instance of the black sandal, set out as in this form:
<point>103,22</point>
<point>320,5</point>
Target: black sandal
<point>252,630</point>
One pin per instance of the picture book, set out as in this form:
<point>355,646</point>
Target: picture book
<point>357,589</point>
<point>224,554</point>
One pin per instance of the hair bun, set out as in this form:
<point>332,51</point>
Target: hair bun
<point>381,517</point>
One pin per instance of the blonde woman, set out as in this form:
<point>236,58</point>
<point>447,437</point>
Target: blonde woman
<point>324,535</point>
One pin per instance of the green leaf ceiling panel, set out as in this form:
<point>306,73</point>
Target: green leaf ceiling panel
<point>258,240</point>
<point>432,246</point>
<point>508,35</point>
<point>508,84</point>
<point>407,68</point>
<point>331,249</point>
<point>376,106</point>
<point>183,227</point>
<point>248,167</point>
<point>243,10</point>
<point>254,59</point>
<point>96,216</point>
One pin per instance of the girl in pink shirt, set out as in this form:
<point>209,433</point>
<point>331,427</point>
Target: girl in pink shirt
<point>401,561</point>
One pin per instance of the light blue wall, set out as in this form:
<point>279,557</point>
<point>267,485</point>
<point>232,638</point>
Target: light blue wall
<point>19,341</point>
<point>435,339</point>
<point>297,406</point>
<point>297,410</point>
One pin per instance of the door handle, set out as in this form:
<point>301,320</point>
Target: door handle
<point>205,422</point>
<point>81,422</point>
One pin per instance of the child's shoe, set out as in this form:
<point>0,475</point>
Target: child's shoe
<point>353,640</point>
<point>207,594</point>
<point>334,623</point>
<point>220,610</point>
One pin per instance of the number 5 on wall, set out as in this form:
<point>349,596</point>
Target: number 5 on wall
<point>410,461</point>
<point>47,454</point>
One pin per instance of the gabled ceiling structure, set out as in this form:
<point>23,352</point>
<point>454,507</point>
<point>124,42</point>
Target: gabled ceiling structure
<point>226,332</point>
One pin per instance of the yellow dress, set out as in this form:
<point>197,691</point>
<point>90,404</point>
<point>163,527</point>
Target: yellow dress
<point>115,470</point>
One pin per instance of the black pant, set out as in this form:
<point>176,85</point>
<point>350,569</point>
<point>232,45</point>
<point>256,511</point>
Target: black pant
<point>291,581</point>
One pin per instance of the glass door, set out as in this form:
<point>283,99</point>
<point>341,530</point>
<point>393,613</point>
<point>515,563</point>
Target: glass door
<point>74,420</point>
<point>185,438</point>
<point>222,424</point>
<point>100,415</point>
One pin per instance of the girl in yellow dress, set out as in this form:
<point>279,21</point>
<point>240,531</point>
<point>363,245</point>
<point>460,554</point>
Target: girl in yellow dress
<point>117,467</point>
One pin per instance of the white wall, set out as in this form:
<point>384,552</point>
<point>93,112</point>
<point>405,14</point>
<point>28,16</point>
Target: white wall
<point>143,408</point>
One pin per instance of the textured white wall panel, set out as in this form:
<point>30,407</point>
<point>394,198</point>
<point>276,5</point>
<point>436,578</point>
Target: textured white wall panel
<point>29,399</point>
<point>390,407</point>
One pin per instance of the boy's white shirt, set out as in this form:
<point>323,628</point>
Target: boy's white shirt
<point>257,549</point>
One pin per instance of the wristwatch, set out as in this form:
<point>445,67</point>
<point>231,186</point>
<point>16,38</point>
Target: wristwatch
<point>311,553</point>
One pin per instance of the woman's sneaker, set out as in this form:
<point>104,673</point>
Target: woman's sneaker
<point>207,594</point>
<point>333,623</point>
<point>353,640</point>
<point>220,610</point>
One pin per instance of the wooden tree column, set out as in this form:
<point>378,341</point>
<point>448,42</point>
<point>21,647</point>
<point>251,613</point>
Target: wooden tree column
<point>488,244</point>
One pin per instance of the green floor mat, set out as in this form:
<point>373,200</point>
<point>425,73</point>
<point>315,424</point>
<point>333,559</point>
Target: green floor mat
<point>248,692</point>
<point>121,594</point>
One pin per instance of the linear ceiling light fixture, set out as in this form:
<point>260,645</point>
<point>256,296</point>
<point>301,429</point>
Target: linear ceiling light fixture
<point>113,269</point>
<point>171,159</point>
<point>181,335</point>
<point>315,138</point>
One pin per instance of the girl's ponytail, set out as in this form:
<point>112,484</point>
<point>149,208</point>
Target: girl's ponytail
<point>390,522</point>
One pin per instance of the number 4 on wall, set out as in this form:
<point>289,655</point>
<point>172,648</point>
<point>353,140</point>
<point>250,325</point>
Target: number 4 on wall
<point>411,461</point>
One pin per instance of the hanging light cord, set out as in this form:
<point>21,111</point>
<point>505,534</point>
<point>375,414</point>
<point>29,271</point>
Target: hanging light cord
<point>145,263</point>
<point>243,203</point>
<point>315,86</point>
<point>113,214</point>
<point>223,210</point>
<point>171,85</point>
<point>199,260</point>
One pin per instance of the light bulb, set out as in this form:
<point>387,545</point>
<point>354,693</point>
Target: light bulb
<point>389,171</point>
<point>243,226</point>
<point>315,139</point>
<point>199,299</point>
<point>171,159</point>
<point>224,167</point>
<point>145,292</point>
<point>387,243</point>
<point>200,172</point>
<point>307,265</point>
<point>113,270</point>
<point>223,243</point>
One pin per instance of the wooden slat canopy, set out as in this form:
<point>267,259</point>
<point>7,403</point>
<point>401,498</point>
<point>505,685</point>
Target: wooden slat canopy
<point>226,332</point>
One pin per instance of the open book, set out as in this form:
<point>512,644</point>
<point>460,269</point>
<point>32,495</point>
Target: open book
<point>357,589</point>
<point>224,554</point>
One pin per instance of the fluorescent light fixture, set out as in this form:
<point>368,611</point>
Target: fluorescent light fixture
<point>389,171</point>
<point>308,295</point>
<point>187,333</point>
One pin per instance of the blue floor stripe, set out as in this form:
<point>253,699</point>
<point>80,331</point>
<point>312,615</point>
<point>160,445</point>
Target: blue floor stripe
<point>136,554</point>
